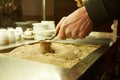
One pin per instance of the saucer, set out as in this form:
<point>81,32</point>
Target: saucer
<point>28,37</point>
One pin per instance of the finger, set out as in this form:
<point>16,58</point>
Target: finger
<point>83,30</point>
<point>59,24</point>
<point>75,33</point>
<point>75,37</point>
<point>84,33</point>
<point>68,33</point>
<point>60,30</point>
<point>61,34</point>
<point>81,36</point>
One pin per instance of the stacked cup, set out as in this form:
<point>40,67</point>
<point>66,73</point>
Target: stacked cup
<point>42,31</point>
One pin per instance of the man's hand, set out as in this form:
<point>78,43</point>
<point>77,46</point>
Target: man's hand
<point>75,25</point>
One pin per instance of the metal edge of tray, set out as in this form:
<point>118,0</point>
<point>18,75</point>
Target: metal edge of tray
<point>94,41</point>
<point>81,67</point>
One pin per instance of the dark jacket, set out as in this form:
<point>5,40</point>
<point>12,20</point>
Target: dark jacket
<point>101,11</point>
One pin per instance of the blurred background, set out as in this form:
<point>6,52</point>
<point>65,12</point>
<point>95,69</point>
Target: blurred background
<point>12,11</point>
<point>32,10</point>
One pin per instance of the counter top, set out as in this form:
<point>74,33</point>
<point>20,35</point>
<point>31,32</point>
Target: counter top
<point>20,69</point>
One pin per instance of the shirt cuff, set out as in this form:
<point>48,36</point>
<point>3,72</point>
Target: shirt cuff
<point>97,12</point>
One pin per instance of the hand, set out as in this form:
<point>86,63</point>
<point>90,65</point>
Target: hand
<point>75,25</point>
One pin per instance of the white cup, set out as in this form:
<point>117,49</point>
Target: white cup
<point>11,35</point>
<point>38,27</point>
<point>4,40</point>
<point>47,33</point>
<point>19,33</point>
<point>51,24</point>
<point>28,32</point>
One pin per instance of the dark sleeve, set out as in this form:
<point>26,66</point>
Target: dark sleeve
<point>101,11</point>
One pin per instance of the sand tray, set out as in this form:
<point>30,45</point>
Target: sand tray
<point>66,55</point>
